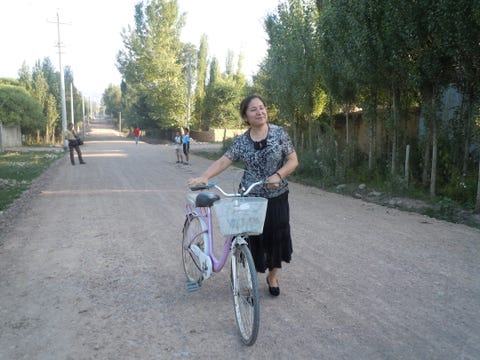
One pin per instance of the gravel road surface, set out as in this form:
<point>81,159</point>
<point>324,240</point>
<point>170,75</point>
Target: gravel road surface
<point>90,268</point>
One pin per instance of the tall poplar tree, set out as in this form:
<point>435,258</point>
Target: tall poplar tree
<point>293,83</point>
<point>202,67</point>
<point>154,79</point>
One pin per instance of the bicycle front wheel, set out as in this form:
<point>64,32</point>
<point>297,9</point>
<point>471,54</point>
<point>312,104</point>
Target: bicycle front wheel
<point>245,294</point>
<point>193,234</point>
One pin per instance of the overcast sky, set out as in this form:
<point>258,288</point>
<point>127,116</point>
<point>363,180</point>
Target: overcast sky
<point>90,34</point>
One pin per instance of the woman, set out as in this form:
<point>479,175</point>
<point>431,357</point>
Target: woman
<point>267,153</point>
<point>71,136</point>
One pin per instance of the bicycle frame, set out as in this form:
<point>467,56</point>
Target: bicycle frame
<point>208,261</point>
<point>206,216</point>
<point>200,260</point>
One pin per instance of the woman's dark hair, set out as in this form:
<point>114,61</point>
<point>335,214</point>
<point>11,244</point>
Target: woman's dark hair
<point>245,102</point>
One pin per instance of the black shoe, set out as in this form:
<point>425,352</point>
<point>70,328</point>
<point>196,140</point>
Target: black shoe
<point>73,163</point>
<point>82,162</point>
<point>274,291</point>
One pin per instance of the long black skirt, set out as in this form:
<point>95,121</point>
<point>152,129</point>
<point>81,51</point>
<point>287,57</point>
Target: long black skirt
<point>275,244</point>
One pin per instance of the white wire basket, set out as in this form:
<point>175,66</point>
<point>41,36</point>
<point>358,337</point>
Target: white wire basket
<point>241,215</point>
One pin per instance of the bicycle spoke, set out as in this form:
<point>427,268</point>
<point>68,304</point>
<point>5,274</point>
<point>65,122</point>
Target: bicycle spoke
<point>193,234</point>
<point>245,295</point>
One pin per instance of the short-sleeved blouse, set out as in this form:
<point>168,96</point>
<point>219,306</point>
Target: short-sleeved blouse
<point>262,163</point>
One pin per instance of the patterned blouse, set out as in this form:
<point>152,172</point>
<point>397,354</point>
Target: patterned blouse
<point>262,160</point>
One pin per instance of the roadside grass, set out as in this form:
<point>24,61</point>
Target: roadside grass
<point>19,169</point>
<point>388,195</point>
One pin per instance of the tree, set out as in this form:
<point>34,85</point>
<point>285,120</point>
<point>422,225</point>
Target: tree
<point>432,72</point>
<point>188,58</point>
<point>40,89</point>
<point>112,99</point>
<point>221,103</point>
<point>293,82</point>
<point>36,82</point>
<point>462,18</point>
<point>25,76</point>
<point>223,93</point>
<point>366,59</point>
<point>151,65</point>
<point>202,66</point>
<point>335,56</point>
<point>18,107</point>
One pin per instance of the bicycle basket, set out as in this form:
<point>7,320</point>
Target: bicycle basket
<point>241,215</point>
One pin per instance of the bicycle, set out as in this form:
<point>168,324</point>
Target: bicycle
<point>238,216</point>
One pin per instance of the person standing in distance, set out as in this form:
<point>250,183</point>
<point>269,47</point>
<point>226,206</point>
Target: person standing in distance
<point>71,136</point>
<point>178,143</point>
<point>136,134</point>
<point>186,145</point>
<point>267,153</point>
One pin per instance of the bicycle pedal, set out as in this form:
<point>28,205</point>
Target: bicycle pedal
<point>192,286</point>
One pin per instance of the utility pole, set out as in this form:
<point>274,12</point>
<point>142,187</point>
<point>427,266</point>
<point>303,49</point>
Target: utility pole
<point>83,116</point>
<point>62,84</point>
<point>90,103</point>
<point>189,87</point>
<point>71,103</point>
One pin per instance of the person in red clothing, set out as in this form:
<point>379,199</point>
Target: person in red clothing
<point>136,134</point>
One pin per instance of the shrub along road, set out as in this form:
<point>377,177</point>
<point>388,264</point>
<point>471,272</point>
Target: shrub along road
<point>90,268</point>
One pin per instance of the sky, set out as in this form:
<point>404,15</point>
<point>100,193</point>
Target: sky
<point>90,35</point>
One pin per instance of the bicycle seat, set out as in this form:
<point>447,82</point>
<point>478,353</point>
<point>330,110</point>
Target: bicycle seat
<point>206,199</point>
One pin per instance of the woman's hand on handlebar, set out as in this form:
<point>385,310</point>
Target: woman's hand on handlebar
<point>273,181</point>
<point>197,181</point>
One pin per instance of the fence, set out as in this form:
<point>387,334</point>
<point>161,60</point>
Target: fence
<point>10,136</point>
<point>215,135</point>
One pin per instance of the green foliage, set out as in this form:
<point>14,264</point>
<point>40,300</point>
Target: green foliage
<point>151,65</point>
<point>199,98</point>
<point>292,79</point>
<point>221,103</point>
<point>41,90</point>
<point>460,189</point>
<point>42,83</point>
<point>444,209</point>
<point>12,82</point>
<point>112,99</point>
<point>17,106</point>
<point>320,163</point>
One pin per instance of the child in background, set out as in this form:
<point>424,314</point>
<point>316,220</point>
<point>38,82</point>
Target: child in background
<point>178,143</point>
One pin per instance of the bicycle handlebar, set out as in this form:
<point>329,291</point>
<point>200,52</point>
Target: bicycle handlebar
<point>206,186</point>
<point>212,184</point>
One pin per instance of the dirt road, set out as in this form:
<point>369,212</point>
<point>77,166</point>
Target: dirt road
<point>90,268</point>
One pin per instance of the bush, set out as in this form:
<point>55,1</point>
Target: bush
<point>444,209</point>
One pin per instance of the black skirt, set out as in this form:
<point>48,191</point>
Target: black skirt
<point>275,244</point>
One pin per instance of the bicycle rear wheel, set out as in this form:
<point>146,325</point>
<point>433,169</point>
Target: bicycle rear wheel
<point>245,294</point>
<point>193,234</point>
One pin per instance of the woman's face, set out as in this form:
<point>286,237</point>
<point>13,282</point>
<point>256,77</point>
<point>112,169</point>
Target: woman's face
<point>256,114</point>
